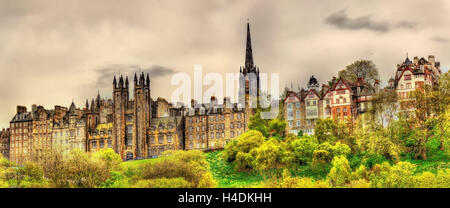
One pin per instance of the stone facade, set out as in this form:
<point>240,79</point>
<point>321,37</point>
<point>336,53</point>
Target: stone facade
<point>4,142</point>
<point>137,127</point>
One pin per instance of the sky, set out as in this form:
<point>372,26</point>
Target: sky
<point>53,52</point>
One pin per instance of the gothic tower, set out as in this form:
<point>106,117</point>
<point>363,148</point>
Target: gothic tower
<point>142,114</point>
<point>249,83</point>
<point>120,105</point>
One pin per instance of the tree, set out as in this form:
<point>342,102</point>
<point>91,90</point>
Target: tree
<point>239,150</point>
<point>277,127</point>
<point>384,108</point>
<point>340,173</point>
<point>303,150</point>
<point>441,107</point>
<point>324,130</point>
<point>259,124</point>
<point>365,69</point>
<point>268,155</point>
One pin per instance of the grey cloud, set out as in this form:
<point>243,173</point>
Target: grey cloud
<point>407,24</point>
<point>342,21</point>
<point>439,39</point>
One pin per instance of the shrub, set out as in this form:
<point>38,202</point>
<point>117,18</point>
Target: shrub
<point>340,173</point>
<point>303,150</point>
<point>189,165</point>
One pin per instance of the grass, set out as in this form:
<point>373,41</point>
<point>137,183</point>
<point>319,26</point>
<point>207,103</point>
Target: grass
<point>227,177</point>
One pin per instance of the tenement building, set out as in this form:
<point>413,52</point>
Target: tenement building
<point>412,75</point>
<point>342,100</point>
<point>4,143</point>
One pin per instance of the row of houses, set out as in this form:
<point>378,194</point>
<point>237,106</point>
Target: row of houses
<point>344,99</point>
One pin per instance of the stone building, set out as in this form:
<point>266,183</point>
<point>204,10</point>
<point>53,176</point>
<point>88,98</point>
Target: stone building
<point>137,127</point>
<point>69,132</point>
<point>211,126</point>
<point>4,142</point>
<point>412,75</point>
<point>21,133</point>
<point>342,100</point>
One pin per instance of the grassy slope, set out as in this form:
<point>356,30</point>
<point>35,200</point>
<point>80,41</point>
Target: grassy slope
<point>227,177</point>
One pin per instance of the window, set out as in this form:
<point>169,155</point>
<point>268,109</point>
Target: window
<point>291,123</point>
<point>290,114</point>
<point>345,100</point>
<point>337,101</point>
<point>94,144</point>
<point>289,106</point>
<point>297,104</point>
<point>408,86</point>
<point>297,114</point>
<point>110,143</point>
<point>102,144</point>
<point>161,139</point>
<point>298,123</point>
<point>408,77</point>
<point>232,134</point>
<point>152,139</point>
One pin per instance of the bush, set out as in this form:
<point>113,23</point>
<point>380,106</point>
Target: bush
<point>340,173</point>
<point>189,165</point>
<point>244,144</point>
<point>303,150</point>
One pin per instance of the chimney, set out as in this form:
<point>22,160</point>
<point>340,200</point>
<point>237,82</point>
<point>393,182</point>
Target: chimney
<point>431,59</point>
<point>21,109</point>
<point>416,60</point>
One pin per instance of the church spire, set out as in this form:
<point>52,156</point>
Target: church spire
<point>248,53</point>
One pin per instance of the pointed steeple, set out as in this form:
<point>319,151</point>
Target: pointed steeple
<point>72,108</point>
<point>115,82</point>
<point>92,104</point>
<point>135,79</point>
<point>148,80</point>
<point>87,104</point>
<point>126,82</point>
<point>249,53</point>
<point>121,82</point>
<point>142,79</point>
<point>98,96</point>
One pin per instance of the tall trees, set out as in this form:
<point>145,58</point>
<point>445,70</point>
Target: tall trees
<point>365,69</point>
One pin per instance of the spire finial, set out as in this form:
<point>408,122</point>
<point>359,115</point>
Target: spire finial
<point>249,53</point>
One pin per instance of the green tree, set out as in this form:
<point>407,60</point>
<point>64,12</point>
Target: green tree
<point>277,128</point>
<point>365,69</point>
<point>303,149</point>
<point>259,124</point>
<point>340,173</point>
<point>324,130</point>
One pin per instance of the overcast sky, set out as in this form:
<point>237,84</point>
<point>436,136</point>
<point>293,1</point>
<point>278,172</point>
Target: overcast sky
<point>54,51</point>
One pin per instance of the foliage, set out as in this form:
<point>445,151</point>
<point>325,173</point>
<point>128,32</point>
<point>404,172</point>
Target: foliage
<point>239,149</point>
<point>277,127</point>
<point>303,150</point>
<point>365,69</point>
<point>163,183</point>
<point>340,173</point>
<point>189,165</point>
<point>259,124</point>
